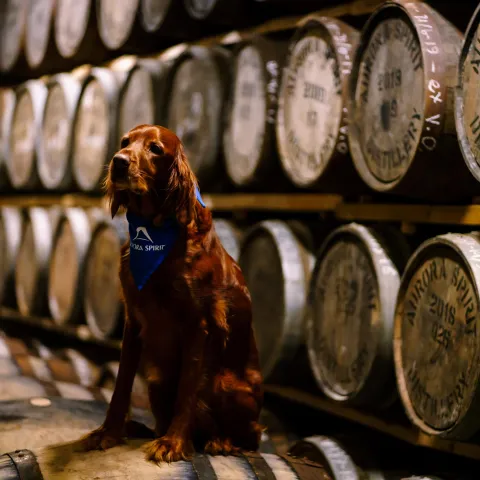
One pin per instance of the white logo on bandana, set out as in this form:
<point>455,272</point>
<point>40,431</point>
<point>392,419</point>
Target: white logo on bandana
<point>144,231</point>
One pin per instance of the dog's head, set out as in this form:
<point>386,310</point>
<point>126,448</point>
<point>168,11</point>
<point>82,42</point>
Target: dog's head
<point>150,174</point>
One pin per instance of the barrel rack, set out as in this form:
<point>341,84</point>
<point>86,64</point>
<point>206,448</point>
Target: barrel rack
<point>466,214</point>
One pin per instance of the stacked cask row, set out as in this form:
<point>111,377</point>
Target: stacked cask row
<point>249,138</point>
<point>436,339</point>
<point>277,268</point>
<point>402,126</point>
<point>350,319</point>
<point>312,115</point>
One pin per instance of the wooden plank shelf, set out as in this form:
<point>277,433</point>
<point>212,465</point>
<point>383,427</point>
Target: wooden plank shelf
<point>77,332</point>
<point>405,432</point>
<point>295,202</point>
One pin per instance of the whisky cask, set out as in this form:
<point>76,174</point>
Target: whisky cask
<point>94,138</point>
<point>40,49</point>
<point>139,87</point>
<point>10,238</point>
<point>217,12</point>
<point>351,306</point>
<point>402,126</point>
<point>436,339</point>
<point>7,102</point>
<point>128,461</point>
<point>12,32</point>
<point>102,295</point>
<point>277,268</point>
<point>198,86</point>
<point>108,378</point>
<point>71,240</point>
<point>229,235</point>
<point>76,31</point>
<point>31,268</point>
<point>56,140</point>
<point>249,143</point>
<point>43,420</point>
<point>24,141</point>
<point>312,120</point>
<point>467,97</point>
<point>119,25</point>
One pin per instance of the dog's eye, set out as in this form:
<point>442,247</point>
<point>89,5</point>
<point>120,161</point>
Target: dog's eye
<point>124,143</point>
<point>156,149</point>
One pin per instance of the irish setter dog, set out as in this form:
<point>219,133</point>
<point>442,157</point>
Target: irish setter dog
<point>191,320</point>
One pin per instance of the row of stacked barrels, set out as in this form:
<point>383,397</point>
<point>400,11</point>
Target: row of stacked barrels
<point>63,264</point>
<point>389,110</point>
<point>41,36</point>
<point>42,388</point>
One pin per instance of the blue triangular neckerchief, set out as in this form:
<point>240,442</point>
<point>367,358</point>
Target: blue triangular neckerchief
<point>150,245</point>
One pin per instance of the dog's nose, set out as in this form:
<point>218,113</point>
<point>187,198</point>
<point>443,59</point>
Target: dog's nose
<point>121,162</point>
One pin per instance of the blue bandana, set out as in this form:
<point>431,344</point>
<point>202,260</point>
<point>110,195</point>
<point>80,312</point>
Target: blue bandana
<point>150,245</point>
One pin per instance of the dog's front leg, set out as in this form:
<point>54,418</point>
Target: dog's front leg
<point>112,430</point>
<point>176,444</point>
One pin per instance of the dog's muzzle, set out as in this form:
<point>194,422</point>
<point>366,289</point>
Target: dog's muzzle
<point>120,167</point>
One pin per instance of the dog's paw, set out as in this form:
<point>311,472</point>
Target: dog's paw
<point>221,447</point>
<point>101,439</point>
<point>168,449</point>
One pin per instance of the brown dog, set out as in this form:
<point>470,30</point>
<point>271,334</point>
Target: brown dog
<point>192,319</point>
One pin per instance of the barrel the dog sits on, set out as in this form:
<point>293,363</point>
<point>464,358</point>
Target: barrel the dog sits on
<point>188,311</point>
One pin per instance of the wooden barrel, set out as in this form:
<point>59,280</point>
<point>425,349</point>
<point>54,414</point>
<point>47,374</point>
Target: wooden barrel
<point>12,32</point>
<point>7,102</point>
<point>436,338</point>
<point>25,135</point>
<point>102,300</point>
<point>229,235</point>
<point>45,463</point>
<point>198,86</point>
<point>277,270</point>
<point>119,25</point>
<point>349,326</point>
<point>249,143</point>
<point>40,49</point>
<point>218,12</point>
<point>108,377</point>
<point>31,269</point>
<point>467,97</point>
<point>87,372</point>
<point>312,115</point>
<point>402,126</point>
<point>76,31</point>
<point>94,139</point>
<point>55,152</point>
<point>138,95</point>
<point>44,420</point>
<point>278,437</point>
<point>168,19</point>
<point>10,238</point>
<point>9,349</point>
<point>67,266</point>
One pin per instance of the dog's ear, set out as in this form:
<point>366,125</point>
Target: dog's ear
<point>183,183</point>
<point>116,201</point>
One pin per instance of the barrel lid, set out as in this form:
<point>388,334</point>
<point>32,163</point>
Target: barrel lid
<point>24,136</point>
<point>200,9</point>
<point>350,315</point>
<point>102,282</point>
<point>7,102</point>
<point>467,97</point>
<point>71,23</point>
<point>229,236</point>
<point>116,19</point>
<point>252,108</point>
<point>436,340</point>
<point>311,118</point>
<point>39,26</point>
<point>54,155</point>
<point>12,27</point>
<point>398,93</point>
<point>94,130</point>
<point>70,242</point>
<point>154,13</point>
<point>198,84</point>
<point>271,256</point>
